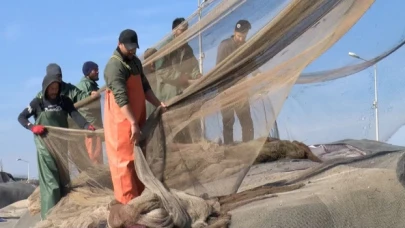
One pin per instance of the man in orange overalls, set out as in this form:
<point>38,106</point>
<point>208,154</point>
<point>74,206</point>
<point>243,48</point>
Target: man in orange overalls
<point>125,113</point>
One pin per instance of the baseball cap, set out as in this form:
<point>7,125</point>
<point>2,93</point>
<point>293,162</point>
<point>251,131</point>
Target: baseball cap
<point>242,26</point>
<point>129,38</point>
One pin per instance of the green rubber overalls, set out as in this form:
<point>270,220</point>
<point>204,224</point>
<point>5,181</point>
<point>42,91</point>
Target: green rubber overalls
<point>52,180</point>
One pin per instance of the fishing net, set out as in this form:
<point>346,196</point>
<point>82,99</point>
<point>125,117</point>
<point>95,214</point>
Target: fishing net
<point>201,172</point>
<point>361,190</point>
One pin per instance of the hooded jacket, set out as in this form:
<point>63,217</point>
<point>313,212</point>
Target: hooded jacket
<point>43,104</point>
<point>46,82</point>
<point>67,89</point>
<point>54,69</point>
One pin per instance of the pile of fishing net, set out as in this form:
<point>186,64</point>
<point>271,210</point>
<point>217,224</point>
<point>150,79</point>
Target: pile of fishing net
<point>191,178</point>
<point>148,209</point>
<point>364,189</point>
<point>286,192</point>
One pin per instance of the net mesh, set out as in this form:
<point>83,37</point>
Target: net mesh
<point>188,147</point>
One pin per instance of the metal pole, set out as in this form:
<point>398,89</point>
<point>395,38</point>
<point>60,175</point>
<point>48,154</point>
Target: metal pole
<point>28,165</point>
<point>375,104</point>
<point>200,38</point>
<point>28,176</point>
<point>201,57</point>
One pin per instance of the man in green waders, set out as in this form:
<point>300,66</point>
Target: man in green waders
<point>50,110</point>
<point>77,150</point>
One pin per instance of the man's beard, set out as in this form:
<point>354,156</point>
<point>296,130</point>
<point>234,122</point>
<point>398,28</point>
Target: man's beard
<point>94,78</point>
<point>130,56</point>
<point>52,96</point>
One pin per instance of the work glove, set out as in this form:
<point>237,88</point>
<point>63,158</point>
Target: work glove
<point>38,129</point>
<point>91,128</point>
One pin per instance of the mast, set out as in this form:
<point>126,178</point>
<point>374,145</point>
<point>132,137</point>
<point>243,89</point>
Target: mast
<point>201,57</point>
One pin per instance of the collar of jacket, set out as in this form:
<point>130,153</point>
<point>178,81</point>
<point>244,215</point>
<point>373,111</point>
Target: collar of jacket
<point>123,57</point>
<point>86,78</point>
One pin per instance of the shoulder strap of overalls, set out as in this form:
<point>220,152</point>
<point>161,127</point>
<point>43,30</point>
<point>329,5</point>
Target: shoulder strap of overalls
<point>122,61</point>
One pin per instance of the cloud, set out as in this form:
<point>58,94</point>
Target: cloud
<point>12,31</point>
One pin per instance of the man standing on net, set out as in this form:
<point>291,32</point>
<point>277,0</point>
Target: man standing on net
<point>125,114</point>
<point>52,109</point>
<point>176,70</point>
<point>76,149</point>
<point>92,112</point>
<point>174,73</point>
<point>225,49</point>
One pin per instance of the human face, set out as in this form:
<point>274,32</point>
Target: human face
<point>53,90</point>
<point>128,53</point>
<point>94,75</point>
<point>177,32</point>
<point>151,67</point>
<point>240,38</point>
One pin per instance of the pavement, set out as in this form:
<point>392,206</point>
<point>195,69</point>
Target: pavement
<point>16,215</point>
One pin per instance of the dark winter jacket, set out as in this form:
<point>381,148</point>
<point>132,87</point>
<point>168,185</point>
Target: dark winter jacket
<point>43,104</point>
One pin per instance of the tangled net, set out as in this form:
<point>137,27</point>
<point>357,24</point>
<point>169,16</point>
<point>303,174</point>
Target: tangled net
<point>148,208</point>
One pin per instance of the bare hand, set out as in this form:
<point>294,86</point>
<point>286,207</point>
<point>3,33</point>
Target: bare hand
<point>135,134</point>
<point>94,94</point>
<point>184,80</point>
<point>164,107</point>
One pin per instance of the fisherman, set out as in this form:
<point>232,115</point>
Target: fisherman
<point>125,114</point>
<point>175,72</point>
<point>75,148</point>
<point>51,109</point>
<point>225,49</point>
<point>68,89</point>
<point>89,84</point>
